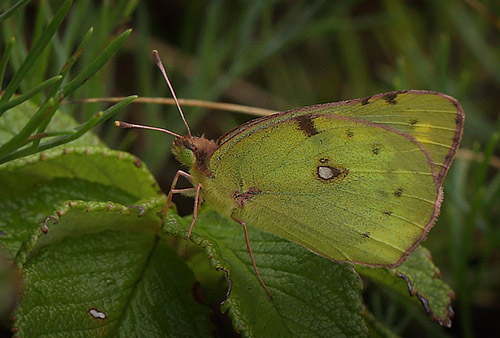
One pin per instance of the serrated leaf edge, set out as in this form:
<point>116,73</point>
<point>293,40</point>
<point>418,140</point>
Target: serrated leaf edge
<point>53,219</point>
<point>446,322</point>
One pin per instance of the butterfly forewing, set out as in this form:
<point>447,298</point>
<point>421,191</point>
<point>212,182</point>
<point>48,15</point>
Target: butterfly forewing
<point>434,119</point>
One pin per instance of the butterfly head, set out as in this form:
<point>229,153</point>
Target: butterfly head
<point>194,152</point>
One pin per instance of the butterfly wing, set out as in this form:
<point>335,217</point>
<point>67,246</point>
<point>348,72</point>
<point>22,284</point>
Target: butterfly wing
<point>356,181</point>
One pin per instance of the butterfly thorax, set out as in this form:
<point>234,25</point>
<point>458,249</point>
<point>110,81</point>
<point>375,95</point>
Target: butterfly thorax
<point>194,152</point>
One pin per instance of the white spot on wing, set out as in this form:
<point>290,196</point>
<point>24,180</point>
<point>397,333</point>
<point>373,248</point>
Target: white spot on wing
<point>97,314</point>
<point>325,173</point>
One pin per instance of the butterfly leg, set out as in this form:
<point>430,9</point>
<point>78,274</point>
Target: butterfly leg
<point>197,200</point>
<point>175,191</point>
<point>251,256</point>
<point>197,203</point>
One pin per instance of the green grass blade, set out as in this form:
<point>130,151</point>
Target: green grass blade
<point>73,58</point>
<point>291,27</point>
<point>29,94</point>
<point>42,17</point>
<point>96,65</point>
<point>20,138</point>
<point>482,174</point>
<point>5,59</point>
<point>70,136</point>
<point>13,9</point>
<point>103,116</point>
<point>18,53</point>
<point>64,71</point>
<point>474,39</point>
<point>75,21</point>
<point>37,49</point>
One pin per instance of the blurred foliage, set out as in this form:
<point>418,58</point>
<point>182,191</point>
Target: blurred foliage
<point>286,54</point>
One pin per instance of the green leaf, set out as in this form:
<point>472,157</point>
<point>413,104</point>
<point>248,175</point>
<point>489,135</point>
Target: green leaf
<point>312,296</point>
<point>102,271</point>
<point>419,279</point>
<point>33,186</point>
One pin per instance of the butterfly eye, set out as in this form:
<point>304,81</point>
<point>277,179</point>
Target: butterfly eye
<point>183,154</point>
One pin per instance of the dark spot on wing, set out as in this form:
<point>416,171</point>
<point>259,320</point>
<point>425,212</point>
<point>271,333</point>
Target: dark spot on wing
<point>365,101</point>
<point>398,192</point>
<point>241,198</point>
<point>413,122</point>
<point>366,234</point>
<point>306,124</point>
<point>387,213</point>
<point>375,150</point>
<point>254,190</point>
<point>390,98</point>
<point>349,133</point>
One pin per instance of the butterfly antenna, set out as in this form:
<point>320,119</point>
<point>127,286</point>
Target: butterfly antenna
<point>126,125</point>
<point>162,69</point>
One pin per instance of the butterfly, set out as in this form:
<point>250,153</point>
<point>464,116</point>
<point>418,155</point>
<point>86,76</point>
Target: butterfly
<point>355,181</point>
